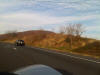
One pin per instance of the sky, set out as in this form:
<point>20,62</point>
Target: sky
<point>23,15</point>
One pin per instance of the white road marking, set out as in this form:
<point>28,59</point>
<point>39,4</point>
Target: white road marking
<point>70,56</point>
<point>14,48</point>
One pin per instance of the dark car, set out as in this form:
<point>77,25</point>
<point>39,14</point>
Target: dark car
<point>20,43</point>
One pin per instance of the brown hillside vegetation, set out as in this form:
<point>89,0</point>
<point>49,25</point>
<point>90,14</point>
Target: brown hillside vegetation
<point>28,36</point>
<point>90,49</point>
<point>51,40</point>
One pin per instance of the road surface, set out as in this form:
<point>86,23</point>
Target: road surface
<point>13,58</point>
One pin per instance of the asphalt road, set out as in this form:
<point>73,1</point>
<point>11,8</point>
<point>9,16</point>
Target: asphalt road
<point>13,58</point>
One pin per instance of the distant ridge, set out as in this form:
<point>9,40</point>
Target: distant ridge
<point>56,41</point>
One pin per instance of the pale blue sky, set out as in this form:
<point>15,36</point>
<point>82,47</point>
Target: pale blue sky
<point>22,15</point>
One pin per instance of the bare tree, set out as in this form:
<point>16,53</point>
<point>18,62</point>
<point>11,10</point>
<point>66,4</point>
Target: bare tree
<point>79,29</point>
<point>62,30</point>
<point>70,30</point>
<point>73,31</point>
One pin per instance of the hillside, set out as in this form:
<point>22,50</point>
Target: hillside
<point>51,40</point>
<point>90,49</point>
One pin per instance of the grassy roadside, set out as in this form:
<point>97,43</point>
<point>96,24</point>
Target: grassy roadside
<point>84,51</point>
<point>54,41</point>
<point>76,51</point>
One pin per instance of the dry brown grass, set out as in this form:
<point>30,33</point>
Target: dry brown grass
<point>51,40</point>
<point>92,49</point>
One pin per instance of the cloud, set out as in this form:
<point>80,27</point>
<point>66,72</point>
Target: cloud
<point>22,20</point>
<point>39,19</point>
<point>75,4</point>
<point>80,4</point>
<point>27,14</point>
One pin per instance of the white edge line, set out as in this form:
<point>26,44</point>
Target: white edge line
<point>69,55</point>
